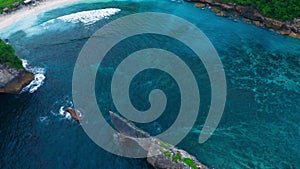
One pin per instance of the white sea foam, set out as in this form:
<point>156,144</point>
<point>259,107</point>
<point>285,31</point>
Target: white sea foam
<point>68,116</point>
<point>61,111</point>
<point>24,63</point>
<point>67,22</point>
<point>85,17</point>
<point>65,114</point>
<point>39,77</point>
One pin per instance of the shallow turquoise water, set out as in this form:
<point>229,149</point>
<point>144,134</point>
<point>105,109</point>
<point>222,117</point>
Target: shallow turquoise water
<point>259,127</point>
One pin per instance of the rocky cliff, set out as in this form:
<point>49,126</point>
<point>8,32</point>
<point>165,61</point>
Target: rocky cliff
<point>160,155</point>
<point>290,28</point>
<point>13,80</point>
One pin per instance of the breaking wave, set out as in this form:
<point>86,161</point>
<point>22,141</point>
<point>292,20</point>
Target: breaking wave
<point>65,114</point>
<point>39,77</point>
<point>85,17</point>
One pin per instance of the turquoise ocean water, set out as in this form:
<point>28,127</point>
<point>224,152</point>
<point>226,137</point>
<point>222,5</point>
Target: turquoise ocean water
<point>260,125</point>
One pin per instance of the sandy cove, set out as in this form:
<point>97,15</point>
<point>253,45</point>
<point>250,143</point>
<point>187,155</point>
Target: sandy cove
<point>33,11</point>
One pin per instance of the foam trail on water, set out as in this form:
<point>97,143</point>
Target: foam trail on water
<point>66,22</point>
<point>85,17</point>
<point>39,77</point>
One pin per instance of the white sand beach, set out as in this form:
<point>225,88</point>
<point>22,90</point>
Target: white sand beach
<point>33,11</point>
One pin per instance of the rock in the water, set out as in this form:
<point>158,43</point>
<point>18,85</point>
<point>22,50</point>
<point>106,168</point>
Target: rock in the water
<point>13,80</point>
<point>223,14</point>
<point>246,20</point>
<point>294,35</point>
<point>160,155</point>
<point>199,5</point>
<point>284,32</point>
<point>257,23</point>
<point>214,9</point>
<point>75,114</point>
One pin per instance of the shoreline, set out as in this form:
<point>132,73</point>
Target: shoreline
<point>251,15</point>
<point>224,9</point>
<point>7,20</point>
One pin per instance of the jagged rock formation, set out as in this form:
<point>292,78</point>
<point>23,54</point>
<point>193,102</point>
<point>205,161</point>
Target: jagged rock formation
<point>160,155</point>
<point>13,80</point>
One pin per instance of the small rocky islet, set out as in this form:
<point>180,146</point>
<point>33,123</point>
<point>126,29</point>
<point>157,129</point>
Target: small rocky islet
<point>160,155</point>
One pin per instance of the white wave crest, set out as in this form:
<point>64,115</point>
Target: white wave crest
<point>24,63</point>
<point>62,111</point>
<point>39,77</point>
<point>86,17</point>
<point>66,115</point>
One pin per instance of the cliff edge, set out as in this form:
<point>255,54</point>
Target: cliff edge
<point>13,76</point>
<point>13,80</point>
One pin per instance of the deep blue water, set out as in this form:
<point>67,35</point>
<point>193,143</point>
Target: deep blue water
<point>259,128</point>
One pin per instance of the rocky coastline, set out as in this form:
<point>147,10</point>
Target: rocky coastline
<point>160,155</point>
<point>13,80</point>
<point>251,15</point>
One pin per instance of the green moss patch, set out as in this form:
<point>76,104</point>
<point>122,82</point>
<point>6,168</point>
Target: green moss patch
<point>176,157</point>
<point>167,153</point>
<point>8,56</point>
<point>190,163</point>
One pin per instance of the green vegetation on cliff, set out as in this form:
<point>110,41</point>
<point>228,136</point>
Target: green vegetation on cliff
<point>8,56</point>
<point>7,4</point>
<point>278,9</point>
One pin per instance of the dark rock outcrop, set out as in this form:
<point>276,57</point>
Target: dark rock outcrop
<point>75,114</point>
<point>249,12</point>
<point>160,155</point>
<point>13,80</point>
